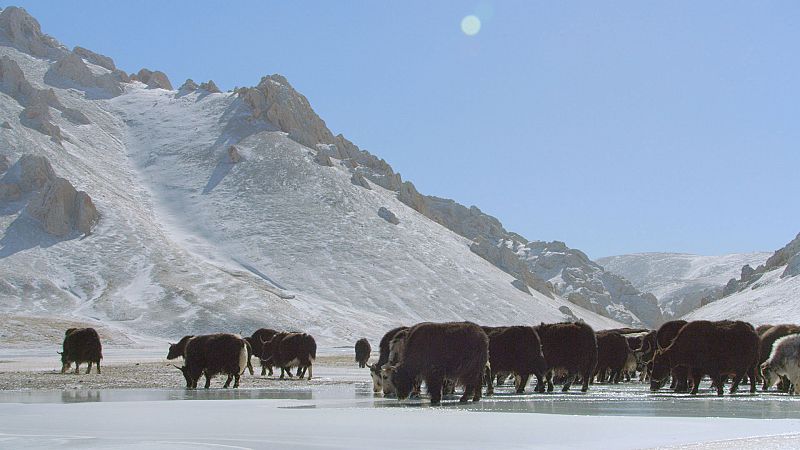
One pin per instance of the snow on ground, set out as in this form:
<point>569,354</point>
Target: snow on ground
<point>680,280</point>
<point>771,300</point>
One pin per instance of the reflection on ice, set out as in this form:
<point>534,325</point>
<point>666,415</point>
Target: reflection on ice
<point>620,400</point>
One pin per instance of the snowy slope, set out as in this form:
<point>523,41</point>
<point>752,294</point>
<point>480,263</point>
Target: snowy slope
<point>189,241</point>
<point>680,280</point>
<point>767,294</point>
<point>772,300</point>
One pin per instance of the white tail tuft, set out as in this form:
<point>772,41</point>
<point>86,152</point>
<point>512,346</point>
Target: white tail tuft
<point>243,358</point>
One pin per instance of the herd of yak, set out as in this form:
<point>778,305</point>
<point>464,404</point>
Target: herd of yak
<point>462,354</point>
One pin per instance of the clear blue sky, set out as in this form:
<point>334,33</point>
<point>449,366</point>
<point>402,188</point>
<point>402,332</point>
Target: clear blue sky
<point>618,127</point>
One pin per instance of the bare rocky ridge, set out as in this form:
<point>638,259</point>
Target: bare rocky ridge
<point>25,33</point>
<point>210,86</point>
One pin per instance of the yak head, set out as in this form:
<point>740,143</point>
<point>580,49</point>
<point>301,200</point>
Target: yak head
<point>660,371</point>
<point>65,363</point>
<point>398,381</point>
<point>770,377</point>
<point>177,350</point>
<point>377,380</point>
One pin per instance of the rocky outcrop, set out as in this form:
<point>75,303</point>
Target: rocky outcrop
<point>210,86</point>
<point>583,282</point>
<point>73,67</point>
<point>387,215</point>
<point>359,180</point>
<point>36,115</point>
<point>62,210</point>
<point>37,102</point>
<point>189,86</point>
<point>95,58</point>
<point>792,267</point>
<point>6,125</point>
<point>156,80</point>
<point>468,222</point>
<point>25,33</point>
<point>55,202</point>
<point>505,259</point>
<point>409,195</point>
<point>4,164</point>
<point>30,173</point>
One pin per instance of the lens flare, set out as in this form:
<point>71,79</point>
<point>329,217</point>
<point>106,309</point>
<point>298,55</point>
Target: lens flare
<point>470,25</point>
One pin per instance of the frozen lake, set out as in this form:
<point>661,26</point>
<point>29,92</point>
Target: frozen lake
<point>340,411</point>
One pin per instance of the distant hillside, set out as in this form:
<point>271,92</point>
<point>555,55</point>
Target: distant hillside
<point>680,281</point>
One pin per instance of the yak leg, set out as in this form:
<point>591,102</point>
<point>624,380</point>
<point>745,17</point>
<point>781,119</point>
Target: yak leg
<point>264,369</point>
<point>310,371</point>
<point>550,382</point>
<point>236,381</point>
<point>736,381</point>
<point>77,364</point>
<point>681,377</point>
<point>523,381</point>
<point>283,371</point>
<point>250,367</point>
<point>227,381</point>
<point>208,381</point>
<point>568,382</point>
<point>753,372</point>
<point>489,377</point>
<point>89,368</point>
<point>98,366</point>
<point>586,376</point>
<point>696,377</point>
<point>435,388</point>
<point>476,395</point>
<point>719,383</point>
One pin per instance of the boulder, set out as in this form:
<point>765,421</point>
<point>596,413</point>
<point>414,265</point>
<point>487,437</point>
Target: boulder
<point>358,180</point>
<point>233,155</point>
<point>387,215</point>
<point>62,210</point>
<point>37,115</point>
<point>4,164</point>
<point>13,81</point>
<point>6,125</point>
<point>210,86</point>
<point>29,173</point>
<point>156,80</point>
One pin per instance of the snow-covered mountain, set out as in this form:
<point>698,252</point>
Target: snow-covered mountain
<point>210,211</point>
<point>767,294</point>
<point>679,280</point>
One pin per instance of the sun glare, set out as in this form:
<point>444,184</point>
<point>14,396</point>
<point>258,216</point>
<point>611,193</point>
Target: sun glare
<point>470,25</point>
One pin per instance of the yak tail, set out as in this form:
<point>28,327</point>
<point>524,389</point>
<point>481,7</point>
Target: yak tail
<point>243,358</point>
